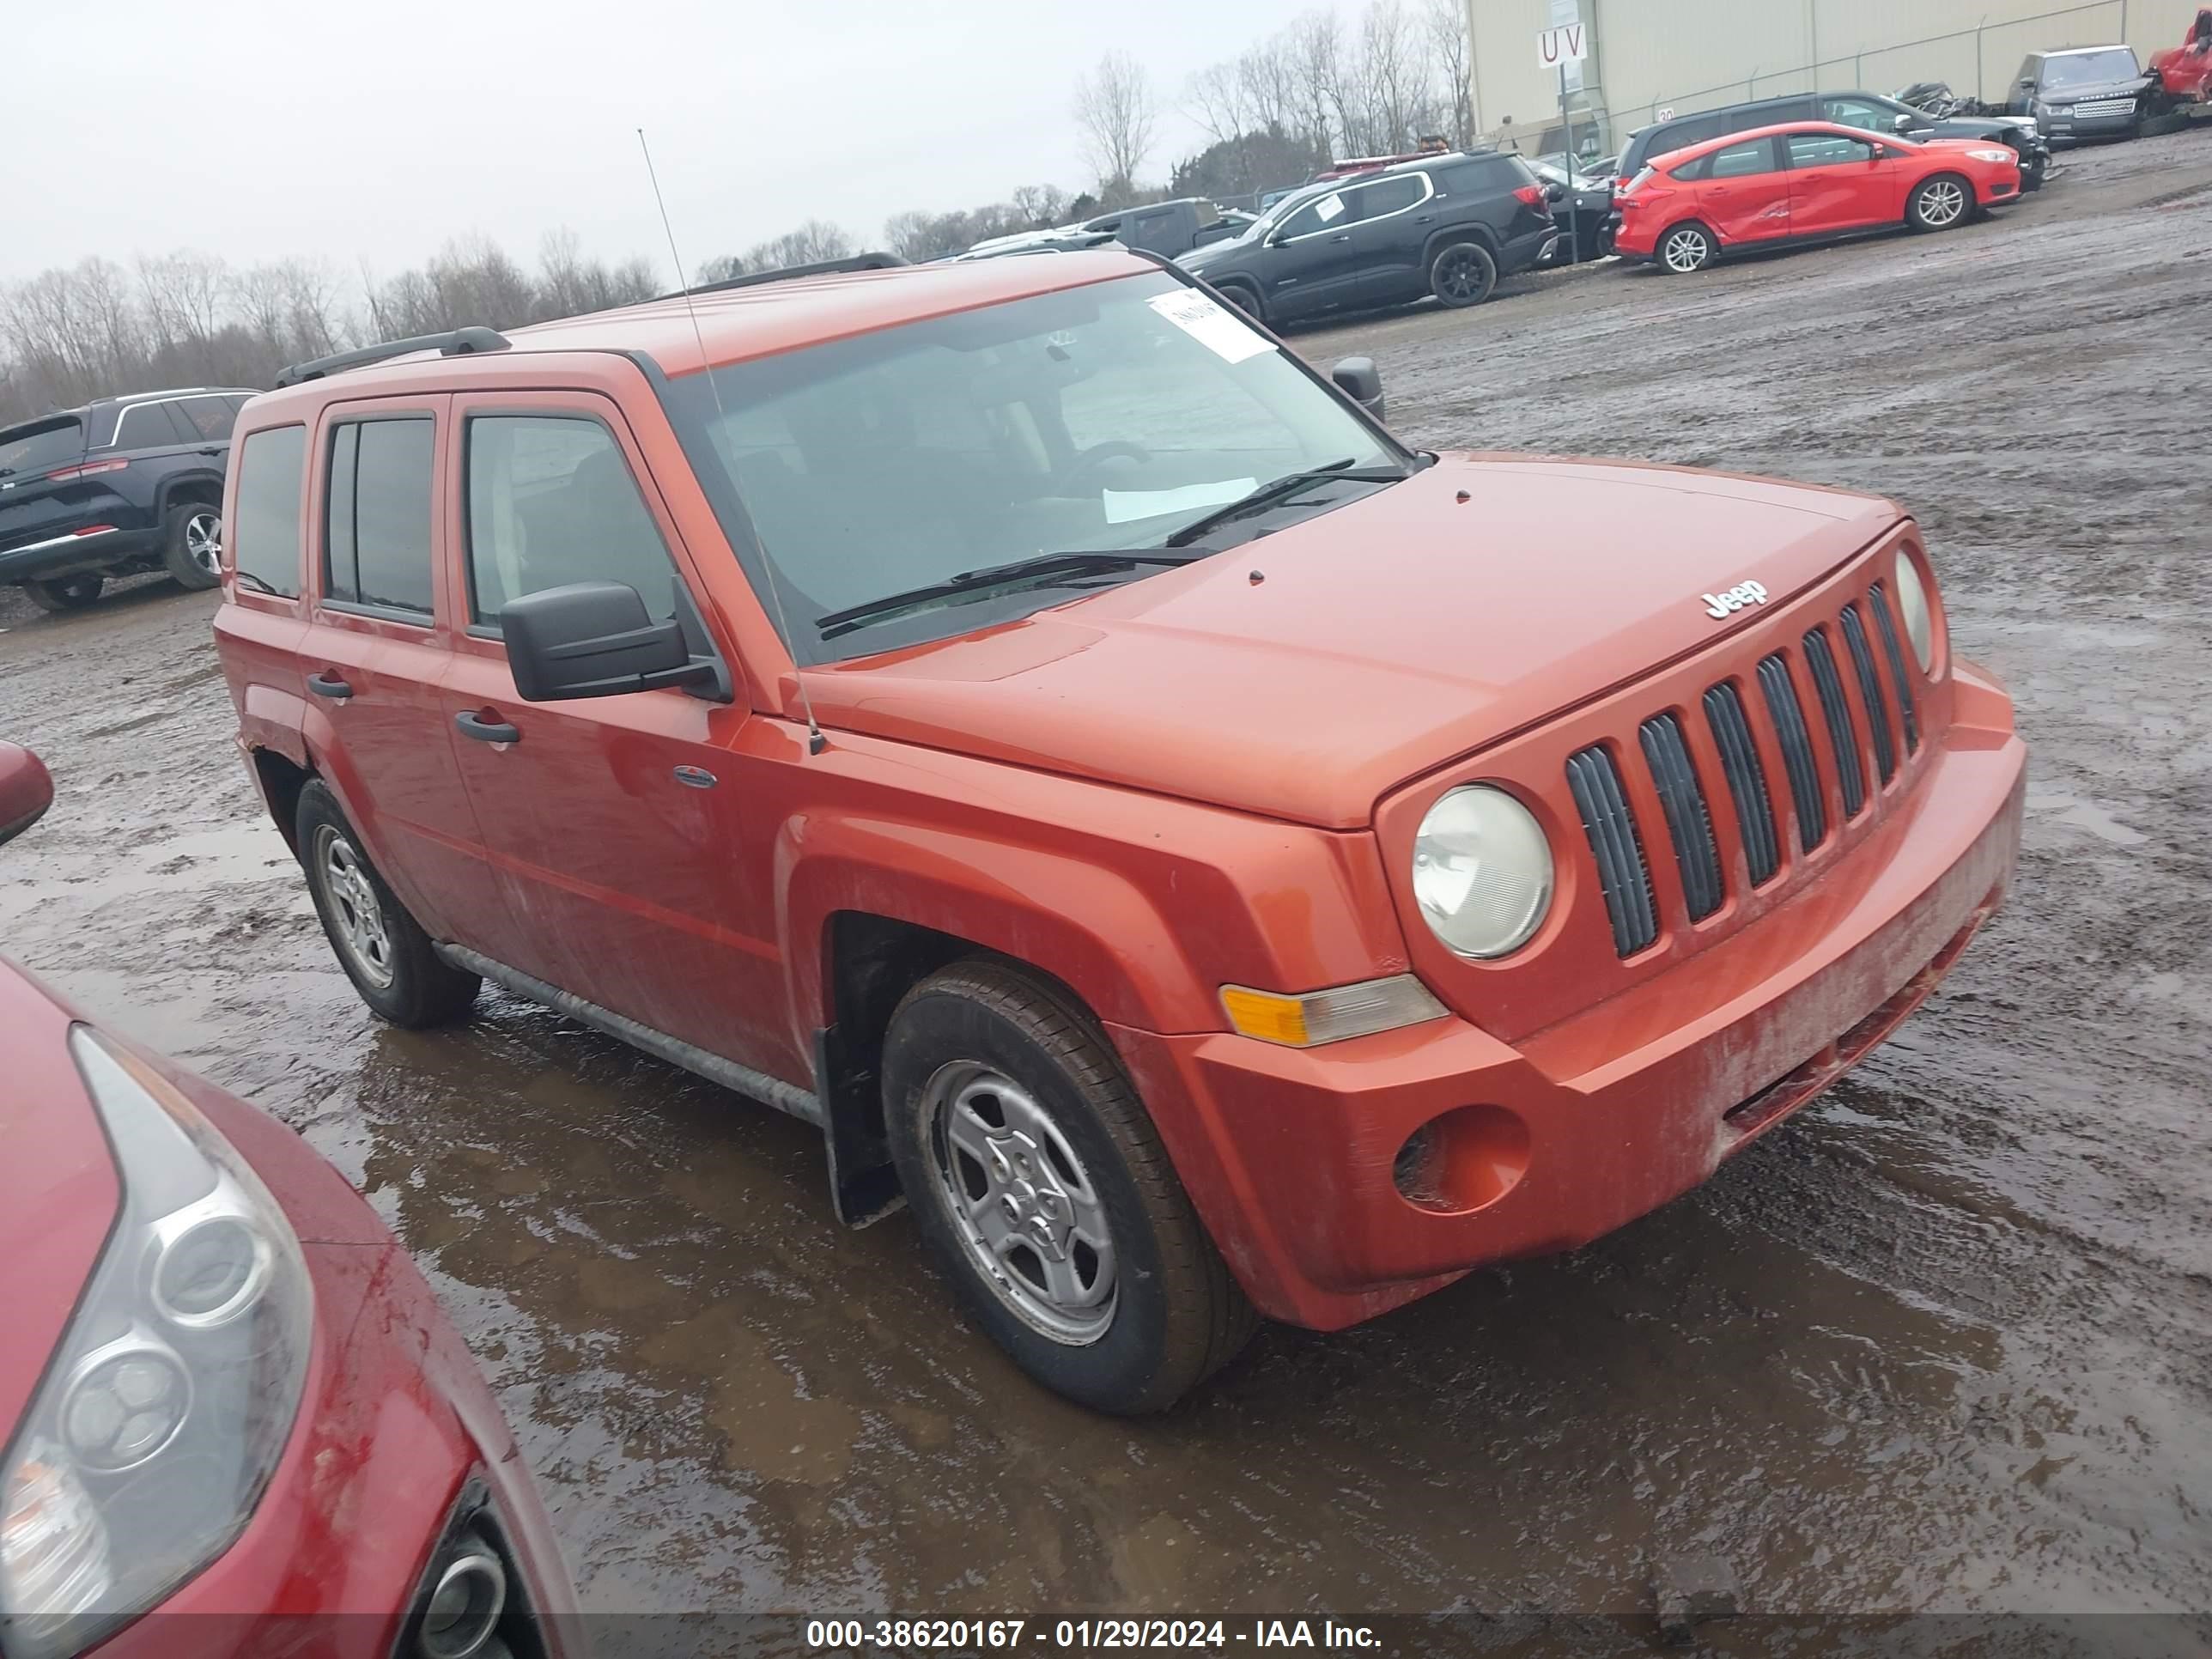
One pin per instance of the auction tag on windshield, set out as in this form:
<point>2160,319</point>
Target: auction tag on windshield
<point>1224,333</point>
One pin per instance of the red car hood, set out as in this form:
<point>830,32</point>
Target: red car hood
<point>59,1192</point>
<point>1381,640</point>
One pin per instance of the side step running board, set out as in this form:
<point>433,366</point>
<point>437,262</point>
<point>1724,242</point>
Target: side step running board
<point>759,1085</point>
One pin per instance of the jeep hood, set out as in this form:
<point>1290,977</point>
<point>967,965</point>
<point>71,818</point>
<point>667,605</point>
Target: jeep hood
<point>1302,675</point>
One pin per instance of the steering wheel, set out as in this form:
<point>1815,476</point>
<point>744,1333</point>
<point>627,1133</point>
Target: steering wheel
<point>1112,449</point>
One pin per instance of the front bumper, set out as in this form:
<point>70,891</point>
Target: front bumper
<point>1289,1154</point>
<point>395,1426</point>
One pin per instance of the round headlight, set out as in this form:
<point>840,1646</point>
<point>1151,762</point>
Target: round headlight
<point>1482,871</point>
<point>1912,600</point>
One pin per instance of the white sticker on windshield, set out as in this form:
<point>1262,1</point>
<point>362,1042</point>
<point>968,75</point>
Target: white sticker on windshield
<point>1125,506</point>
<point>1224,333</point>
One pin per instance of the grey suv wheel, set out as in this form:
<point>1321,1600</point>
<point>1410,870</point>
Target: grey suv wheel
<point>191,545</point>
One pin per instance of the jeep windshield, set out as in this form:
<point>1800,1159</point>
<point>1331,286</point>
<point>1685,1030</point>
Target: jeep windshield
<point>1020,436</point>
<point>2090,69</point>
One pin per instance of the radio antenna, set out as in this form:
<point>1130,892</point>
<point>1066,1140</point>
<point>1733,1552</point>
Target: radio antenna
<point>816,743</point>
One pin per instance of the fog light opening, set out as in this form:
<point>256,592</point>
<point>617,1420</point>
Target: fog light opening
<point>465,1608</point>
<point>1462,1161</point>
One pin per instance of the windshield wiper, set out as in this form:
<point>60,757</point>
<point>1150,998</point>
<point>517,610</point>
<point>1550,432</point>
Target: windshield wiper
<point>254,583</point>
<point>1276,488</point>
<point>1041,568</point>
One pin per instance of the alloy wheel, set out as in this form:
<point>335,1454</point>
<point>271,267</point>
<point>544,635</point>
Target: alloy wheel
<point>203,541</point>
<point>1942,202</point>
<point>1686,250</point>
<point>1031,1218</point>
<point>1459,277</point>
<point>361,932</point>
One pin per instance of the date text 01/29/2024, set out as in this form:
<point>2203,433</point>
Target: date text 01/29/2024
<point>859,1635</point>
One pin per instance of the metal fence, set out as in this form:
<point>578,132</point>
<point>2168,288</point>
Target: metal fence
<point>1977,62</point>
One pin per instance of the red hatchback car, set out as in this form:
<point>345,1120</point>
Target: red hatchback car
<point>226,1391</point>
<point>1803,181</point>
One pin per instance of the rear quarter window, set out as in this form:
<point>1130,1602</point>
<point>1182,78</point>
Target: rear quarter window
<point>1490,176</point>
<point>264,536</point>
<point>152,426</point>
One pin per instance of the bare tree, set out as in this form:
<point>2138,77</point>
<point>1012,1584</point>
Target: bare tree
<point>1041,205</point>
<point>1325,94</point>
<point>811,243</point>
<point>1114,106</point>
<point>1395,78</point>
<point>1446,26</point>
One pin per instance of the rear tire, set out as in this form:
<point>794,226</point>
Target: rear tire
<point>1684,248</point>
<point>1046,1196</point>
<point>191,545</point>
<point>59,593</point>
<point>383,950</point>
<point>1462,274</point>
<point>1944,202</point>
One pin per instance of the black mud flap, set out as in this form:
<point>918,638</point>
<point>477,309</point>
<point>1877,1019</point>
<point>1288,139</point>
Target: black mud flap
<point>864,1185</point>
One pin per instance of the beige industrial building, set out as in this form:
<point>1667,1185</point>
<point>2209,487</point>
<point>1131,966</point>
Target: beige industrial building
<point>1648,56</point>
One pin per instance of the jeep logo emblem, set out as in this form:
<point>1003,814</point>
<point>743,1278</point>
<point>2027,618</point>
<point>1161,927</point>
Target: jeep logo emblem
<point>1743,593</point>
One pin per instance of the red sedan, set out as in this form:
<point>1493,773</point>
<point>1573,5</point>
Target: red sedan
<point>226,1390</point>
<point>1803,181</point>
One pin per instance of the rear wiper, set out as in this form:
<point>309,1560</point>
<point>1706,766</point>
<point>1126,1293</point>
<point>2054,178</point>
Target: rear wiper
<point>1289,484</point>
<point>254,583</point>
<point>1041,568</point>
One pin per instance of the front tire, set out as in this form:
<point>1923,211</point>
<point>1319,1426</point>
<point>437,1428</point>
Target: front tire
<point>60,593</point>
<point>191,545</point>
<point>1462,274</point>
<point>1942,202</point>
<point>1046,1196</point>
<point>1245,299</point>
<point>1685,248</point>
<point>383,950</point>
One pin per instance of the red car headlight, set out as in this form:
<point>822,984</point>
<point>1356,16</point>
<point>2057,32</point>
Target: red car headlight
<point>173,1394</point>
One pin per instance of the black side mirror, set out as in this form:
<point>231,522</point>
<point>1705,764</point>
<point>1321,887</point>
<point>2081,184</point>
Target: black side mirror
<point>26,791</point>
<point>1359,378</point>
<point>593,640</point>
<point>1555,192</point>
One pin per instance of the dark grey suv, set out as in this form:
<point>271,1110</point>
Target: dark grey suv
<point>117,486</point>
<point>1450,225</point>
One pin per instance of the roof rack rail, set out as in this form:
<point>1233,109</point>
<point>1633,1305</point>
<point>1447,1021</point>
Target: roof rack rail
<point>453,342</point>
<point>784,274</point>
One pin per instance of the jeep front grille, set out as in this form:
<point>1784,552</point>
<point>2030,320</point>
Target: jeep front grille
<point>1747,734</point>
<point>1594,780</point>
<point>1747,781</point>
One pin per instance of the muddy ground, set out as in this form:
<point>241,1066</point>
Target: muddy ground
<point>1944,1343</point>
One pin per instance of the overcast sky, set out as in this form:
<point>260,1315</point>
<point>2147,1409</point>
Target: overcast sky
<point>377,128</point>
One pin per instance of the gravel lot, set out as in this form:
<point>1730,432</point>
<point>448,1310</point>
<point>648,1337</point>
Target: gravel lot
<point>1943,1343</point>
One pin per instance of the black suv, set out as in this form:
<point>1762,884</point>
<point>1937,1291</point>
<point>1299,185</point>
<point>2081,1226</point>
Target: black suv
<point>2089,92</point>
<point>1868,112</point>
<point>1450,225</point>
<point>120,486</point>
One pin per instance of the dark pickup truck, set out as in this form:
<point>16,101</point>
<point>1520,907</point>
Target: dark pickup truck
<point>120,486</point>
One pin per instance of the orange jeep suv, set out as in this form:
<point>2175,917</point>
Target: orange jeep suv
<point>1208,858</point>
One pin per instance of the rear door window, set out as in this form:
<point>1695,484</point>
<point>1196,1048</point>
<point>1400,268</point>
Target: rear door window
<point>41,447</point>
<point>209,418</point>
<point>1827,150</point>
<point>1861,112</point>
<point>265,532</point>
<point>377,514</point>
<point>1742,160</point>
<point>152,426</point>
<point>1389,195</point>
<point>552,501</point>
